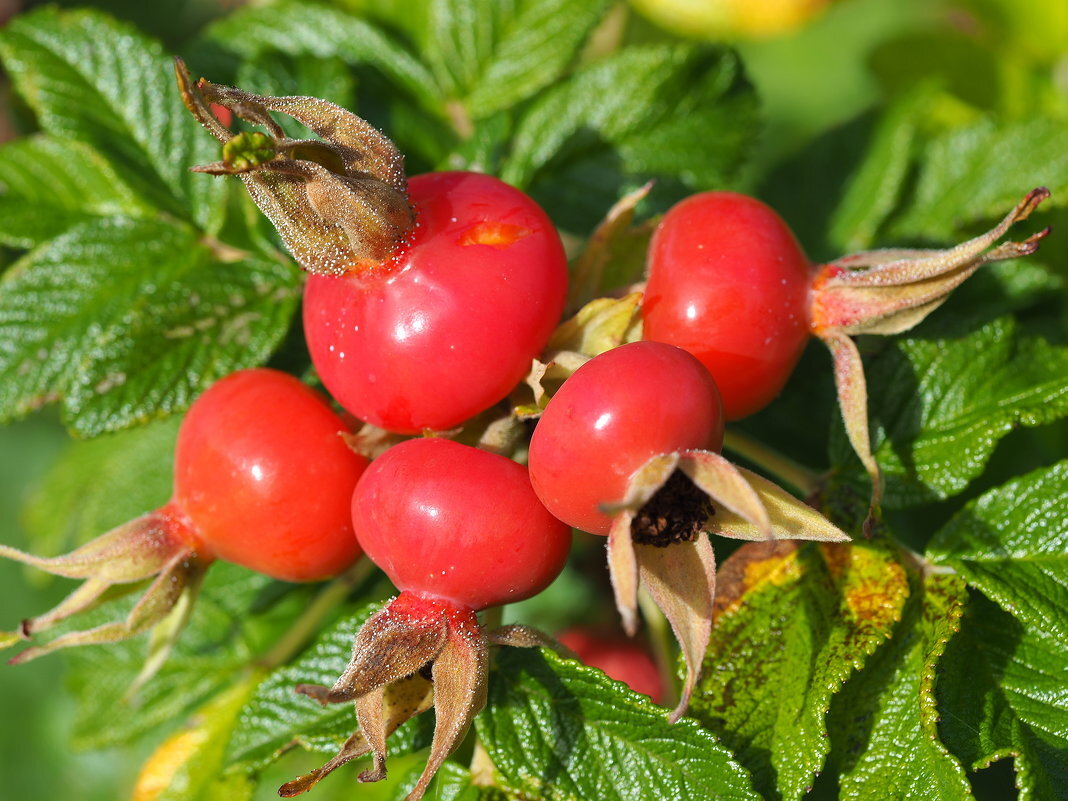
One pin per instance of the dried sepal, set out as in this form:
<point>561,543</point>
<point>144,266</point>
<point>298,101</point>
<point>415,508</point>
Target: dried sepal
<point>890,291</point>
<point>386,678</point>
<point>587,273</point>
<point>658,540</point>
<point>681,579</point>
<point>339,202</point>
<point>151,545</point>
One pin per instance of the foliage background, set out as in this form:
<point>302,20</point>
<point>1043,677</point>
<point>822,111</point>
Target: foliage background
<point>826,91</point>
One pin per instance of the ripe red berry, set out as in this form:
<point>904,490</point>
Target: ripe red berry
<point>621,658</point>
<point>450,325</point>
<point>264,478</point>
<point>729,283</point>
<point>610,417</point>
<point>454,522</point>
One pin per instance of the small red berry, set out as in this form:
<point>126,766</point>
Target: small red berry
<point>729,283</point>
<point>610,417</point>
<point>621,658</point>
<point>451,324</point>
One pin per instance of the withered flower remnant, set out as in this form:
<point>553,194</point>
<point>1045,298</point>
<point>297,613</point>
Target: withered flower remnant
<point>339,202</point>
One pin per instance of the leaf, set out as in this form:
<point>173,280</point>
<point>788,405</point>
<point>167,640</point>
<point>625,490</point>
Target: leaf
<point>884,722</point>
<point>1001,694</point>
<point>187,765</point>
<point>972,173</point>
<point>678,112</point>
<point>221,638</point>
<point>794,622</point>
<point>556,729</point>
<point>99,484</point>
<point>299,28</point>
<point>125,321</point>
<point>277,719</point>
<point>1012,543</point>
<point>48,185</point>
<point>941,405</point>
<point>874,190</point>
<point>490,56</point>
<point>92,79</point>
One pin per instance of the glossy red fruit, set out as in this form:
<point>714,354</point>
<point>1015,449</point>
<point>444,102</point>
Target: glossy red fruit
<point>450,326</point>
<point>610,417</point>
<point>621,658</point>
<point>263,477</point>
<point>458,523</point>
<point>729,283</point>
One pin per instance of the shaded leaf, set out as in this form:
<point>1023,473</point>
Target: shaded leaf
<point>939,406</point>
<point>884,722</point>
<point>1001,694</point>
<point>793,623</point>
<point>1012,543</point>
<point>556,729</point>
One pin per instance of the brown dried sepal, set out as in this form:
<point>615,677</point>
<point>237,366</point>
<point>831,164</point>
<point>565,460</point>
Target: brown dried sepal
<point>339,202</point>
<point>154,545</point>
<point>386,679</point>
<point>647,543</point>
<point>888,292</point>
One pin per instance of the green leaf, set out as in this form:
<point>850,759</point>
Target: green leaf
<point>489,56</point>
<point>1012,543</point>
<point>682,112</point>
<point>941,405</point>
<point>221,638</point>
<point>101,483</point>
<point>1001,694</point>
<point>794,622</point>
<point>300,28</point>
<point>557,729</point>
<point>276,718</point>
<point>873,192</point>
<point>125,321</point>
<point>974,173</point>
<point>100,82</point>
<point>48,185</point>
<point>884,722</point>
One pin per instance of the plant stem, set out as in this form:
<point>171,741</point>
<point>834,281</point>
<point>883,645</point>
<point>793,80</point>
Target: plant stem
<point>798,476</point>
<point>660,641</point>
<point>305,626</point>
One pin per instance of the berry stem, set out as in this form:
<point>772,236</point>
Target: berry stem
<point>801,478</point>
<point>309,622</point>
<point>660,638</point>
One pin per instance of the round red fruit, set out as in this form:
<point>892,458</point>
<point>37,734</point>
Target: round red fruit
<point>263,477</point>
<point>610,417</point>
<point>457,523</point>
<point>729,283</point>
<point>621,658</point>
<point>450,325</point>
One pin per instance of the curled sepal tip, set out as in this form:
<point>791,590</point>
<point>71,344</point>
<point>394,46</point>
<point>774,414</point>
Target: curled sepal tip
<point>387,678</point>
<point>888,292</point>
<point>154,545</point>
<point>339,201</point>
<point>658,540</point>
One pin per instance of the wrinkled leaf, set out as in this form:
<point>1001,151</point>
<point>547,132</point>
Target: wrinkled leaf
<point>793,623</point>
<point>126,321</point>
<point>556,729</point>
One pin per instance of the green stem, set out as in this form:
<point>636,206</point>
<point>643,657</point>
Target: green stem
<point>660,639</point>
<point>305,626</point>
<point>798,476</point>
<point>492,618</point>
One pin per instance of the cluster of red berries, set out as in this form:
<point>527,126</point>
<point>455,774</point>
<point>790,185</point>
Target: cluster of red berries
<point>440,331</point>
